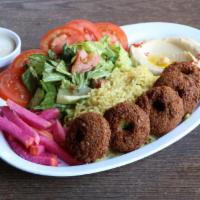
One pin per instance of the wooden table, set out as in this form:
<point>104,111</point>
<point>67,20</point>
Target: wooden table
<point>172,174</point>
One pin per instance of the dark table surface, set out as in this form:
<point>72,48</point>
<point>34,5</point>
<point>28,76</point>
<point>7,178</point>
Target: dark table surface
<point>173,173</point>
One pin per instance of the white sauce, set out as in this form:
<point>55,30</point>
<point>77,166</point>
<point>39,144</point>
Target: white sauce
<point>7,45</point>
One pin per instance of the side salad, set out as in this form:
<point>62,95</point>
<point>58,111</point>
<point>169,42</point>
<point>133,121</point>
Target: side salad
<point>62,80</point>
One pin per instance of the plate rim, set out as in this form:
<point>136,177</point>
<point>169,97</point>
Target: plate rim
<point>170,138</point>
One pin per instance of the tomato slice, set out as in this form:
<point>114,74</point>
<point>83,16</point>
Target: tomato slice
<point>114,31</point>
<point>88,28</point>
<point>85,62</point>
<point>57,37</point>
<point>21,60</point>
<point>11,87</point>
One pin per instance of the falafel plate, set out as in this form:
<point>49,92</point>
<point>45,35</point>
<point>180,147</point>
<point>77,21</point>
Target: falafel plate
<point>97,96</point>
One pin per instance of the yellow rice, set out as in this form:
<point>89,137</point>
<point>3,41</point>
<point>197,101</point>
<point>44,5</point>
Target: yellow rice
<point>124,84</point>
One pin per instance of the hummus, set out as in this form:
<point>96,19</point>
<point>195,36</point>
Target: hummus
<point>159,53</point>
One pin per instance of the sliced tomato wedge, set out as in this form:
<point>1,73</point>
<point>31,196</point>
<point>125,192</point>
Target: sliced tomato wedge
<point>56,38</point>
<point>114,31</point>
<point>85,62</point>
<point>21,60</point>
<point>11,87</point>
<point>88,28</point>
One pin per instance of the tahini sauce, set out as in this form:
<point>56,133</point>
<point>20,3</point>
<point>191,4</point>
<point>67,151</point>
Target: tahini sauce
<point>7,45</point>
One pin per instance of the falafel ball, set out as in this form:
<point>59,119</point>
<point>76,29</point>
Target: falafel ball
<point>164,107</point>
<point>184,85</point>
<point>130,126</point>
<point>88,137</point>
<point>189,69</point>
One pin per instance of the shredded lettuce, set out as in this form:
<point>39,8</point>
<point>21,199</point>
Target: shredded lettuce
<point>69,52</point>
<point>29,81</point>
<point>36,62</point>
<point>52,77</point>
<point>37,98</point>
<point>65,97</point>
<point>49,99</point>
<point>123,59</point>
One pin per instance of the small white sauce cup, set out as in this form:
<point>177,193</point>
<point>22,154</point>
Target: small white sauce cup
<point>6,60</point>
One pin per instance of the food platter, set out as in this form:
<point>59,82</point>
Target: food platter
<point>135,32</point>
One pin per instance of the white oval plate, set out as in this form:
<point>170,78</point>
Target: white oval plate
<point>134,32</point>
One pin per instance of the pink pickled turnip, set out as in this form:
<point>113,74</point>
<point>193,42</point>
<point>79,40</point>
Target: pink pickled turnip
<point>11,129</point>
<point>50,114</point>
<point>36,150</point>
<point>53,147</point>
<point>46,134</point>
<point>43,159</point>
<point>58,131</point>
<point>26,129</point>
<point>30,117</point>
